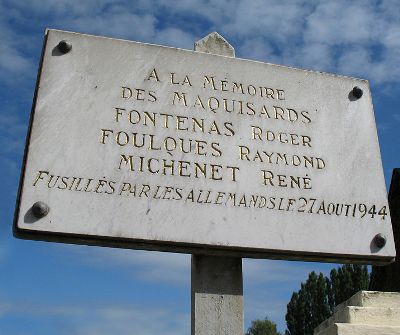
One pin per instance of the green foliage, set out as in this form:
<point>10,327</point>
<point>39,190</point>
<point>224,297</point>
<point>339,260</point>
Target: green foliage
<point>346,281</point>
<point>308,307</point>
<point>317,298</point>
<point>262,327</point>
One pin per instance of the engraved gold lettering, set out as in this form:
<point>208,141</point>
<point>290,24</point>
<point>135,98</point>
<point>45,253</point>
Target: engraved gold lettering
<point>181,98</point>
<point>126,92</point>
<point>223,85</point>
<point>167,192</point>
<point>152,145</point>
<point>135,113</point>
<point>218,198</point>
<point>149,166</point>
<point>100,184</point>
<point>148,117</point>
<point>181,123</point>
<point>280,180</point>
<point>237,87</point>
<point>153,97</point>
<point>39,176</point>
<point>186,81</point>
<point>244,152</point>
<point>213,104</point>
<point>145,190</point>
<point>198,124</point>
<point>87,189</point>
<point>306,117</point>
<point>173,82</point>
<point>169,166</point>
<point>201,168</point>
<point>233,169</point>
<point>216,172</point>
<point>126,160</point>
<point>257,133</point>
<point>124,140</point>
<point>182,168</point>
<point>198,102</point>
<point>251,90</point>
<point>281,94</point>
<point>104,134</point>
<point>153,75</point>
<point>209,81</point>
<point>118,113</point>
<point>216,150</point>
<point>64,183</point>
<point>126,187</point>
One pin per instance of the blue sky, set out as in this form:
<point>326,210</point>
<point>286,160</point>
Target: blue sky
<point>48,288</point>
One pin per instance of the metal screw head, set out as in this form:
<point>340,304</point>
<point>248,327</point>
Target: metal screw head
<point>380,240</point>
<point>357,92</point>
<point>64,46</point>
<point>40,209</point>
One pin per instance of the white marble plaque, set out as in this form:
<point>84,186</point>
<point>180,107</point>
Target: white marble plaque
<point>143,146</point>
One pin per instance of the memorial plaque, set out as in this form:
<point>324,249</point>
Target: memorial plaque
<point>142,146</point>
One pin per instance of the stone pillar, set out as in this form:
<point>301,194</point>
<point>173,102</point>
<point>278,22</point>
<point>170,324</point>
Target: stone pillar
<point>366,313</point>
<point>217,282</point>
<point>217,295</point>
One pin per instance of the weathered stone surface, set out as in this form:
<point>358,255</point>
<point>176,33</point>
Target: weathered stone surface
<point>215,44</point>
<point>350,329</point>
<point>217,295</point>
<point>287,168</point>
<point>364,313</point>
<point>381,316</point>
<point>372,299</point>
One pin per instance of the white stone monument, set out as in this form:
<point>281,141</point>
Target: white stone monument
<point>143,146</point>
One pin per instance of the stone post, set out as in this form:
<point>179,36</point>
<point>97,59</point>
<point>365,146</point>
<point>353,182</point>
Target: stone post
<point>217,282</point>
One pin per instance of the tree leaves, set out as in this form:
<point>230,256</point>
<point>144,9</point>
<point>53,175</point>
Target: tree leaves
<point>262,327</point>
<point>318,296</point>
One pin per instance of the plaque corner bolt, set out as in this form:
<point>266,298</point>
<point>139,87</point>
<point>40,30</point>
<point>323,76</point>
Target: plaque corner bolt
<point>357,92</point>
<point>380,240</point>
<point>40,209</point>
<point>64,46</point>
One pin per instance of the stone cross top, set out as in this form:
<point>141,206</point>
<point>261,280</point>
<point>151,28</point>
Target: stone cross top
<point>214,43</point>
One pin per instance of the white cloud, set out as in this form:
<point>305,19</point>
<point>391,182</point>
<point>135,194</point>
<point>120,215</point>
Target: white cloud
<point>14,131</point>
<point>175,38</point>
<point>41,8</point>
<point>137,321</point>
<point>147,266</point>
<point>216,12</point>
<point>12,61</point>
<point>396,117</point>
<point>273,272</point>
<point>342,22</point>
<point>102,318</point>
<point>311,34</point>
<point>316,56</point>
<point>273,20</point>
<point>117,22</point>
<point>257,48</point>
